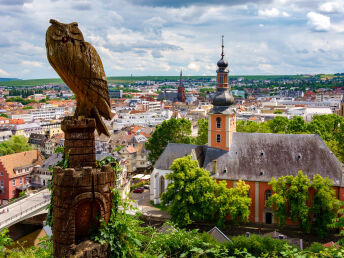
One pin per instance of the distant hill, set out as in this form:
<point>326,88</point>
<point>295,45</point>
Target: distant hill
<point>8,79</point>
<point>131,79</point>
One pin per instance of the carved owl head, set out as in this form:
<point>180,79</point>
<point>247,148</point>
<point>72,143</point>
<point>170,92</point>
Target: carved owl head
<point>64,33</point>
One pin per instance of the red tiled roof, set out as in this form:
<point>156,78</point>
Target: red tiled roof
<point>20,159</point>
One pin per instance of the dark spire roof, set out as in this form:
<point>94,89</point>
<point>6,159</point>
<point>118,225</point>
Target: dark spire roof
<point>223,97</point>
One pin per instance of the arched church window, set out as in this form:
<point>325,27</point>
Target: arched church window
<point>218,122</point>
<point>218,138</point>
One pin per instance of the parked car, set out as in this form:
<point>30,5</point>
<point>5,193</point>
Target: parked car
<point>138,190</point>
<point>146,186</point>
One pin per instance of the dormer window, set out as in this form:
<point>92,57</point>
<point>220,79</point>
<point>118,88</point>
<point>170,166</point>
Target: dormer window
<point>218,122</point>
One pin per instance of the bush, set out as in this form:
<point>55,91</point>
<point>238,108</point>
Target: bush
<point>316,248</point>
<point>255,245</point>
<point>175,242</point>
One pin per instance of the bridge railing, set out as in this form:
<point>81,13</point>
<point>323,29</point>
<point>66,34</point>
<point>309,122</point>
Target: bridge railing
<point>21,198</point>
<point>24,212</point>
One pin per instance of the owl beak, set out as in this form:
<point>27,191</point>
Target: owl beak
<point>65,39</point>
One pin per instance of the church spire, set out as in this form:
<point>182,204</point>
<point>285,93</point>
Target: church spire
<point>222,54</point>
<point>181,91</point>
<point>221,117</point>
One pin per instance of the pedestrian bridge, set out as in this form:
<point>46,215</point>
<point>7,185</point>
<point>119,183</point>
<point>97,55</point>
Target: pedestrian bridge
<point>25,208</point>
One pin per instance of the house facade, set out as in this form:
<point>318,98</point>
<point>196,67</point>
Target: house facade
<point>252,157</point>
<point>15,170</point>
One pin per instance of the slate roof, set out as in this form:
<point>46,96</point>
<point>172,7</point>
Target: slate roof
<point>168,95</point>
<point>260,156</point>
<point>51,161</point>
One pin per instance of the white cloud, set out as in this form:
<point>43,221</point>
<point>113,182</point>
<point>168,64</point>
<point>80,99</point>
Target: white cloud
<point>273,12</point>
<point>332,7</point>
<point>4,73</point>
<point>194,67</point>
<point>319,22</point>
<point>32,63</point>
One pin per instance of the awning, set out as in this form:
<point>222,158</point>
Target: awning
<point>138,176</point>
<point>146,177</point>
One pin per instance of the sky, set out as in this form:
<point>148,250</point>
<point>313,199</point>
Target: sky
<point>161,37</point>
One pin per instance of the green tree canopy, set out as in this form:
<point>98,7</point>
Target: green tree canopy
<point>190,195</point>
<point>173,130</point>
<point>291,199</point>
<point>202,137</point>
<point>15,144</point>
<point>193,195</point>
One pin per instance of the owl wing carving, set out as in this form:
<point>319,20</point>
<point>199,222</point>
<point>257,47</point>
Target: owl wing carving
<point>93,81</point>
<point>80,67</point>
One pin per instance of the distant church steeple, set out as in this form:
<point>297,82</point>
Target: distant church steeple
<point>181,90</point>
<point>221,118</point>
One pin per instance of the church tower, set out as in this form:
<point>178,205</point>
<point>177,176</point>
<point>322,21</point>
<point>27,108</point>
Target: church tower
<point>222,119</point>
<point>181,90</point>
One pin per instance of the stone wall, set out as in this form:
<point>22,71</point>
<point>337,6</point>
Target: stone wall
<point>81,197</point>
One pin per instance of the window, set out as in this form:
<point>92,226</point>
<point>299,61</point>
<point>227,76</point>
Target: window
<point>218,138</point>
<point>218,122</point>
<point>1,173</point>
<point>2,183</point>
<point>268,193</point>
<point>13,182</point>
<point>20,181</point>
<point>14,192</point>
<point>221,79</point>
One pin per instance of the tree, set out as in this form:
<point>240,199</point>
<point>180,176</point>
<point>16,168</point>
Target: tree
<point>279,124</point>
<point>233,201</point>
<point>296,125</point>
<point>4,115</point>
<point>193,195</point>
<point>202,137</point>
<point>290,199</point>
<point>190,195</point>
<point>324,206</point>
<point>15,144</point>
<point>173,130</point>
<point>278,112</point>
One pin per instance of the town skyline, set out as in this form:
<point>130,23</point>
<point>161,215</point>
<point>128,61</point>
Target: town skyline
<point>162,37</point>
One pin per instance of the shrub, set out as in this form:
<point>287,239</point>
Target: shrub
<point>316,248</point>
<point>255,245</point>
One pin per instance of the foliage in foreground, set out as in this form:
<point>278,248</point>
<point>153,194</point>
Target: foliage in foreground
<point>44,249</point>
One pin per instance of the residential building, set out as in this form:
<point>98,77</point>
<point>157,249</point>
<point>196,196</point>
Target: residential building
<point>15,172</point>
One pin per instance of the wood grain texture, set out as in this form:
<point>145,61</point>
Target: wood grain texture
<point>80,67</point>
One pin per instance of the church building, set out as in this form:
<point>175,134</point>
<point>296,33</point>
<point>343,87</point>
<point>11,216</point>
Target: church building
<point>252,157</point>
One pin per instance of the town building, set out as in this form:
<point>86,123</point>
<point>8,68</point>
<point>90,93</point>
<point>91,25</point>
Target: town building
<point>15,170</point>
<point>252,157</point>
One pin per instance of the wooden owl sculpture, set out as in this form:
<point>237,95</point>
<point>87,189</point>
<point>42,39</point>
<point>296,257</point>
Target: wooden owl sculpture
<point>79,66</point>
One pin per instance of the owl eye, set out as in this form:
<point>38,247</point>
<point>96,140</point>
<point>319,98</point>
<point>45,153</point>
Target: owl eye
<point>58,32</point>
